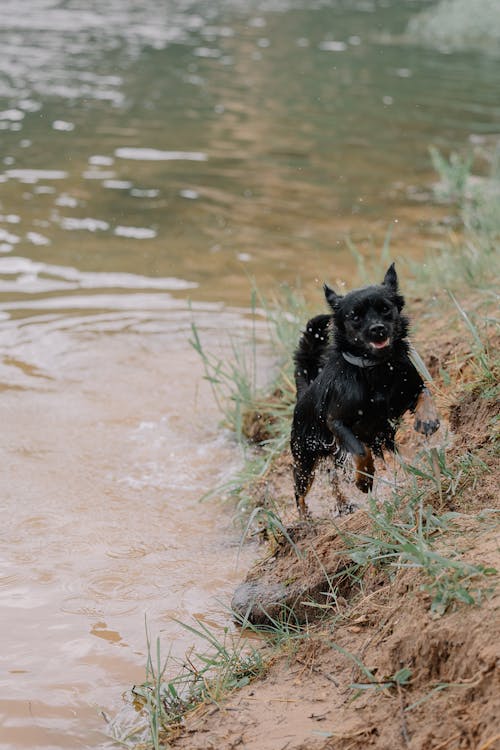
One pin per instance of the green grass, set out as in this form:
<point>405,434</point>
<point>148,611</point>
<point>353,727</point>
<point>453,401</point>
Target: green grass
<point>399,678</point>
<point>469,260</point>
<point>458,26</point>
<point>246,409</point>
<point>234,379</point>
<point>411,541</point>
<point>454,173</point>
<point>485,361</point>
<point>201,678</point>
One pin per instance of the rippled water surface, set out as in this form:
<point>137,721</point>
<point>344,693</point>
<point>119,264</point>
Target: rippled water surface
<point>155,153</point>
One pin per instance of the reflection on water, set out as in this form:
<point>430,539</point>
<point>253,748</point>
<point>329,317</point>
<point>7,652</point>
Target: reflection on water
<point>33,276</point>
<point>208,140</point>
<point>154,152</point>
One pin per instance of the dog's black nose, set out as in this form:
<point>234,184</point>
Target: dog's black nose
<point>378,331</point>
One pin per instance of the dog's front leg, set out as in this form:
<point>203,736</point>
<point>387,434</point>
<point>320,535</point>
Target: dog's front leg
<point>426,416</point>
<point>303,473</point>
<point>362,455</point>
<point>365,470</point>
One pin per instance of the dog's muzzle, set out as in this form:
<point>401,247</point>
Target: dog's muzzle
<point>378,336</point>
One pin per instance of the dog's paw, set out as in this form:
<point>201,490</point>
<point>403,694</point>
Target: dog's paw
<point>363,477</point>
<point>364,483</point>
<point>426,416</point>
<point>427,427</point>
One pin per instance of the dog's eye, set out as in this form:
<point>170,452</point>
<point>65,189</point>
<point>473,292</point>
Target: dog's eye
<point>385,310</point>
<point>355,317</point>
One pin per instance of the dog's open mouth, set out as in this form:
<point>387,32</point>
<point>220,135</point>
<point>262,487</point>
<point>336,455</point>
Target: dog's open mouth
<point>380,344</point>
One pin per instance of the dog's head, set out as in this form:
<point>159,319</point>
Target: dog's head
<point>368,321</point>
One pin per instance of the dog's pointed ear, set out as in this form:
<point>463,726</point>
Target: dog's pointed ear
<point>391,278</point>
<point>331,297</point>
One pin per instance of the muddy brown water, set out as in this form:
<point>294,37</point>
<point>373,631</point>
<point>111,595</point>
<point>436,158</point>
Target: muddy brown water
<point>153,154</point>
<point>107,447</point>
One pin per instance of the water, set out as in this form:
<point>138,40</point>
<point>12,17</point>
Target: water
<point>153,156</point>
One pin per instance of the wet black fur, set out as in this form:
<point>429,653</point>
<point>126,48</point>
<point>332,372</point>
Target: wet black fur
<point>343,407</point>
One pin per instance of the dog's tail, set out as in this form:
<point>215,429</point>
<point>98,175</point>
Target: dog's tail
<point>308,356</point>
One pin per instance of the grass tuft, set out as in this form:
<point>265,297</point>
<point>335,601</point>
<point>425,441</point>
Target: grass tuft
<point>408,534</point>
<point>259,417</point>
<point>470,259</point>
<point>203,678</point>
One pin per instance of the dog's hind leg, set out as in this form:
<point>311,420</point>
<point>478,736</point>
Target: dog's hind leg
<point>303,474</point>
<point>365,469</point>
<point>342,503</point>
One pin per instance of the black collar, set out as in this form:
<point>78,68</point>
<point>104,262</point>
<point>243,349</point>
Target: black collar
<point>362,362</point>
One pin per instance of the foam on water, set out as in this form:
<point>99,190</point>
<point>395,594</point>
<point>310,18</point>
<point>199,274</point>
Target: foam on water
<point>153,154</point>
<point>36,272</point>
<point>135,233</point>
<point>34,175</point>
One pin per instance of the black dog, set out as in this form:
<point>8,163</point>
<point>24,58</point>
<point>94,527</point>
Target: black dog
<point>351,392</point>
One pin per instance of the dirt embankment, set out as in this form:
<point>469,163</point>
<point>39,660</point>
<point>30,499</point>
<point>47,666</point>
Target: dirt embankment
<point>369,662</point>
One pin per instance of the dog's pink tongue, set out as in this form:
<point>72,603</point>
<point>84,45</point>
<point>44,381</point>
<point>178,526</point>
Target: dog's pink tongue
<point>380,344</point>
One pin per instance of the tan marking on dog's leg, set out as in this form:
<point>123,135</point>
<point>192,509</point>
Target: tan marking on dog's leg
<point>303,481</point>
<point>426,416</point>
<point>301,499</point>
<point>302,506</point>
<point>365,469</point>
